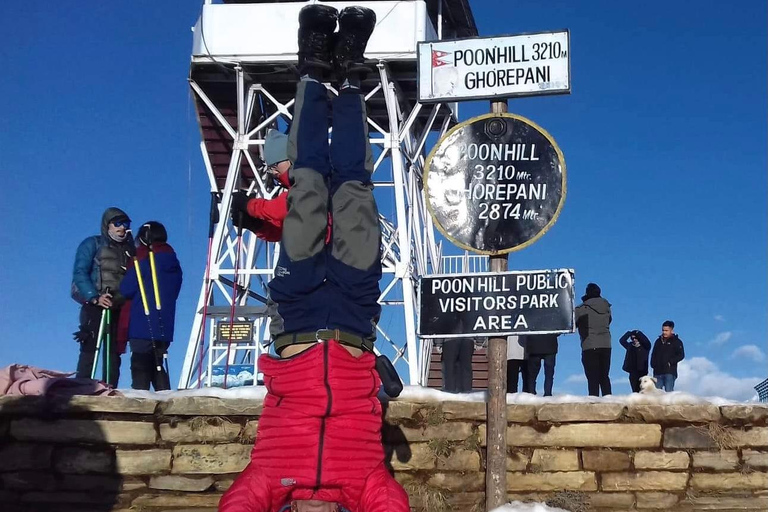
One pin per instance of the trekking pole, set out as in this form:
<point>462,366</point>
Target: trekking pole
<point>234,294</point>
<point>153,272</point>
<point>108,345</point>
<point>98,342</point>
<point>212,220</point>
<point>142,291</point>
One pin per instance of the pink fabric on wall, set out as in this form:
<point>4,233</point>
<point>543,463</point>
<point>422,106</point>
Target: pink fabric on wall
<point>19,379</point>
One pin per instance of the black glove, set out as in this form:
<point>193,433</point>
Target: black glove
<point>82,336</point>
<point>245,221</point>
<point>239,203</point>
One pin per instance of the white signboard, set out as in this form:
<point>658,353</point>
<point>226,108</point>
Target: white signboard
<point>480,68</point>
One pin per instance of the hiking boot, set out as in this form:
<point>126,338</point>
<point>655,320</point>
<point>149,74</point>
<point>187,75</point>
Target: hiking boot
<point>355,27</point>
<point>317,23</point>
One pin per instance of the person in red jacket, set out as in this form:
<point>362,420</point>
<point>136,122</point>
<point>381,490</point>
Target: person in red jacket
<point>264,217</point>
<point>318,447</point>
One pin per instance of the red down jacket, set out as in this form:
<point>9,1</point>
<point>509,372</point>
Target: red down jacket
<point>319,437</point>
<point>271,211</point>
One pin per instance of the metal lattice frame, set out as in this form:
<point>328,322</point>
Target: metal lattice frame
<point>409,248</point>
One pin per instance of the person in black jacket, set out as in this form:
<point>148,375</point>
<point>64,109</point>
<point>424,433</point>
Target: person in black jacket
<point>541,347</point>
<point>638,347</point>
<point>668,350</point>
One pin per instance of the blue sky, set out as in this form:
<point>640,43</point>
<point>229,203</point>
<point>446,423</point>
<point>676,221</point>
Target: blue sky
<point>664,136</point>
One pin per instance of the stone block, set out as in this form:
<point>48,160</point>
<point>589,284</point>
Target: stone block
<point>644,481</point>
<point>249,431</point>
<point>612,500</point>
<point>752,437</point>
<point>560,413</point>
<point>729,481</point>
<point>754,458</point>
<point>210,406</point>
<point>223,484</point>
<point>451,431</point>
<point>605,460</point>
<point>83,460</point>
<point>143,462</point>
<point>214,430</point>
<point>688,437</point>
<point>460,460</point>
<point>458,482</point>
<point>520,413</point>
<point>675,412</point>
<point>210,459</point>
<point>181,483</point>
<point>555,460</point>
<point>587,435</point>
<point>656,500</point>
<point>412,457</point>
<point>517,460</point>
<point>728,503</point>
<point>558,481</point>
<point>746,413</point>
<point>398,410</point>
<point>722,460</point>
<point>662,460</point>
<point>464,410</point>
<point>17,456</point>
<point>28,481</point>
<point>181,500</point>
<point>87,431</point>
<point>120,404</point>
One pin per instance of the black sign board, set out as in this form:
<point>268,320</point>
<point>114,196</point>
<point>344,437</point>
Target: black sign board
<point>495,184</point>
<point>240,331</point>
<point>496,304</point>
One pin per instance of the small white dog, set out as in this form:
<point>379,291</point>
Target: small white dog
<point>648,385</point>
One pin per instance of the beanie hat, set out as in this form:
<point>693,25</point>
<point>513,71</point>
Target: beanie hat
<point>275,147</point>
<point>152,232</point>
<point>592,291</point>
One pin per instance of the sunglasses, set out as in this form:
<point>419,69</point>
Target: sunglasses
<point>122,224</point>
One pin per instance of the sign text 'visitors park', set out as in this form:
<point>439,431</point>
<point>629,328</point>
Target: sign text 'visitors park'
<point>496,304</point>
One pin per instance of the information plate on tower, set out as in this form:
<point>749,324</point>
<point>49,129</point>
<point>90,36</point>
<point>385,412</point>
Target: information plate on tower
<point>496,304</point>
<point>490,67</point>
<point>495,183</point>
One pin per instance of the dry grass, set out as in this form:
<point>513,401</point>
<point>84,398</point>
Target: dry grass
<point>472,443</point>
<point>429,416</point>
<point>441,448</point>
<point>432,500</point>
<point>570,500</point>
<point>722,437</point>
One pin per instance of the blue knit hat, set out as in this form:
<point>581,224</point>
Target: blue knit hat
<point>275,147</point>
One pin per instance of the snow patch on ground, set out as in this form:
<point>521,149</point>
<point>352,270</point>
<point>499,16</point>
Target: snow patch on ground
<point>518,506</point>
<point>420,394</point>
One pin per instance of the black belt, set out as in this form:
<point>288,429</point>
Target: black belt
<point>342,337</point>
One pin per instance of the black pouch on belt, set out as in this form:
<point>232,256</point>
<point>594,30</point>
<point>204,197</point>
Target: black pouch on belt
<point>390,380</point>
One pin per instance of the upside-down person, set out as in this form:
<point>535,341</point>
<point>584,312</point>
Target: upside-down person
<point>318,447</point>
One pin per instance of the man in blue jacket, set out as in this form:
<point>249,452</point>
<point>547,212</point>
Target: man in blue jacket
<point>100,264</point>
<point>150,330</point>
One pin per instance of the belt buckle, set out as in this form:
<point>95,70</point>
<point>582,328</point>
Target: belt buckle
<point>333,333</point>
<point>318,335</point>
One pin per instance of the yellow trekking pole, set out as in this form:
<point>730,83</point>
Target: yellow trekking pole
<point>141,286</point>
<point>153,270</point>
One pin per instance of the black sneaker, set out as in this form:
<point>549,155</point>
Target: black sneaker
<point>355,27</point>
<point>317,23</point>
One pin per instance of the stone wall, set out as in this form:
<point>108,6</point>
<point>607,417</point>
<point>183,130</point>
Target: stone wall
<point>107,454</point>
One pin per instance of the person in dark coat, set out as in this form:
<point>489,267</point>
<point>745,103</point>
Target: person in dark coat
<point>593,320</point>
<point>149,335</point>
<point>668,351</point>
<point>100,264</point>
<point>541,348</point>
<point>517,364</point>
<point>457,364</point>
<point>638,347</point>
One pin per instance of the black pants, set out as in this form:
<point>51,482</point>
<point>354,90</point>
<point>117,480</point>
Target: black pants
<point>597,366</point>
<point>517,369</point>
<point>90,319</point>
<point>534,366</point>
<point>144,369</point>
<point>634,380</point>
<point>457,365</point>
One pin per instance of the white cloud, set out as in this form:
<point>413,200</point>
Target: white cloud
<point>702,377</point>
<point>721,338</point>
<point>719,318</point>
<point>752,352</point>
<point>576,378</point>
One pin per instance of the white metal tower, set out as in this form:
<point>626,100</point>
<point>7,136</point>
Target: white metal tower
<point>243,80</point>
